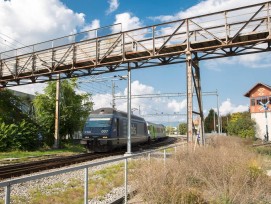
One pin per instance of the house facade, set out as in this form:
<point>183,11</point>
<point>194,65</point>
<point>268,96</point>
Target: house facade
<point>260,95</point>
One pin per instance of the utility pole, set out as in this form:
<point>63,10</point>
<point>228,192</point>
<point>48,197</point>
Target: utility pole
<point>218,114</point>
<point>113,95</point>
<point>214,123</point>
<point>129,112</point>
<point>57,113</point>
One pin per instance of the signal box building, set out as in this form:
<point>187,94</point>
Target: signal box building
<point>258,95</point>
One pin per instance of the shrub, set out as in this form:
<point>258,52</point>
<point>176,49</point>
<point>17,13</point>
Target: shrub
<point>225,172</point>
<point>21,136</point>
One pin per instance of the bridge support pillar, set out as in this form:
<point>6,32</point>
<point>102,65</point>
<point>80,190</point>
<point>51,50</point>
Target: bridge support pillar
<point>189,91</point>
<point>193,77</point>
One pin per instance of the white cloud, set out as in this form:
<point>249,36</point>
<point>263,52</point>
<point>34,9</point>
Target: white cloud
<point>32,21</point>
<point>205,7</point>
<point>146,105</point>
<point>177,106</point>
<point>30,88</point>
<point>91,28</point>
<point>128,21</point>
<point>113,6</point>
<point>227,107</point>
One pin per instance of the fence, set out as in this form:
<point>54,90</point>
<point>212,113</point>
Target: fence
<point>7,184</point>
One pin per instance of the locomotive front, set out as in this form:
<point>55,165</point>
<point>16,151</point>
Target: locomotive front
<point>97,133</point>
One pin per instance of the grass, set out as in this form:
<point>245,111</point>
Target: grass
<point>226,172</point>
<point>100,183</point>
<point>67,150</point>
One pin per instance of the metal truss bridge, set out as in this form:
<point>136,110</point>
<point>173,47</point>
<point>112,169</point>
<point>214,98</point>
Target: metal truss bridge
<point>233,32</point>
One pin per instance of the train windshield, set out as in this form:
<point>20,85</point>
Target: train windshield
<point>98,122</point>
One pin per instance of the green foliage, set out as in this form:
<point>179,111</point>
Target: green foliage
<point>9,107</point>
<point>169,130</point>
<point>17,130</point>
<point>241,125</point>
<point>183,128</point>
<point>21,136</point>
<point>73,112</point>
<point>209,121</point>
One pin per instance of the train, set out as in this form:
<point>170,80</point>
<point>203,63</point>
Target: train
<point>156,131</point>
<point>106,130</point>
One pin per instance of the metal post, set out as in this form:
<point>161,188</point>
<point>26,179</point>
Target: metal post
<point>129,111</point>
<point>189,97</point>
<point>267,134</point>
<point>218,114</point>
<point>189,89</point>
<point>7,194</point>
<point>57,113</point>
<point>86,187</point>
<point>268,19</point>
<point>113,95</point>
<point>214,123</point>
<point>153,40</point>
<point>126,179</point>
<point>165,156</point>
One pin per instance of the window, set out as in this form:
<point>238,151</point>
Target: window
<point>252,102</point>
<point>264,100</point>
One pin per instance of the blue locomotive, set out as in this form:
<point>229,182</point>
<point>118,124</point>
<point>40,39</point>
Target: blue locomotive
<point>106,129</point>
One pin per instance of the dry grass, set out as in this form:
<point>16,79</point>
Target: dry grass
<point>224,172</point>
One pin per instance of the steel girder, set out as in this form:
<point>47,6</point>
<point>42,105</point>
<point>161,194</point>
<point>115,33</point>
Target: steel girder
<point>227,33</point>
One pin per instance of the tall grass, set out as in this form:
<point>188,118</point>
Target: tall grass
<point>224,172</point>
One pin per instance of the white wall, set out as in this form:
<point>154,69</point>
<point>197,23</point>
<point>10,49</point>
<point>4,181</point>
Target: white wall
<point>261,124</point>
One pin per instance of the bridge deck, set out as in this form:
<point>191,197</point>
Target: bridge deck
<point>242,31</point>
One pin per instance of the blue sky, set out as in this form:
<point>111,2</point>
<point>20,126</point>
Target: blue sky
<point>32,21</point>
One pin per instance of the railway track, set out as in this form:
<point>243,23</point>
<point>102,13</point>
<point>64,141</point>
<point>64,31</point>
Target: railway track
<point>14,170</point>
<point>262,144</point>
<point>20,169</point>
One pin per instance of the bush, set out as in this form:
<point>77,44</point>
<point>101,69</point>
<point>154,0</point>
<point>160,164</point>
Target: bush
<point>21,136</point>
<point>225,172</point>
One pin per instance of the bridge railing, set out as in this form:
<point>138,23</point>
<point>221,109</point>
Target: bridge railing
<point>238,27</point>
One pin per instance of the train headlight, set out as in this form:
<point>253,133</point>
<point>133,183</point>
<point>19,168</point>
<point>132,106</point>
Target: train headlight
<point>104,137</point>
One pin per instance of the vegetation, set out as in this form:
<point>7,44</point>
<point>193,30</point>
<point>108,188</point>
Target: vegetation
<point>224,172</point>
<point>67,149</point>
<point>242,125</point>
<point>74,109</point>
<point>183,128</point>
<point>100,183</point>
<point>209,122</point>
<point>17,130</point>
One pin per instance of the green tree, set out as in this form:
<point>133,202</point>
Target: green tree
<point>209,121</point>
<point>183,128</point>
<point>17,130</point>
<point>242,125</point>
<point>74,109</point>
<point>10,107</point>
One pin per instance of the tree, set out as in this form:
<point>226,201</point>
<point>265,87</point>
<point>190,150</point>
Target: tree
<point>17,130</point>
<point>183,128</point>
<point>9,107</point>
<point>241,125</point>
<point>209,121</point>
<point>74,109</point>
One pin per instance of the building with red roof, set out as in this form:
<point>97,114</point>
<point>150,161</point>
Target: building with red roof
<point>260,95</point>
